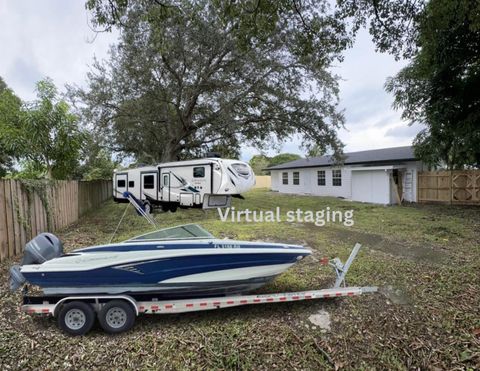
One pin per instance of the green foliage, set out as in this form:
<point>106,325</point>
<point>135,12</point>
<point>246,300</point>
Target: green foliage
<point>191,76</point>
<point>393,24</point>
<point>10,112</point>
<point>30,170</point>
<point>283,158</point>
<point>440,87</point>
<point>43,134</point>
<point>97,163</point>
<point>258,163</point>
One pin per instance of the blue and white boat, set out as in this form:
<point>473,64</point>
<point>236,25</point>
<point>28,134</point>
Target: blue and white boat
<point>179,262</point>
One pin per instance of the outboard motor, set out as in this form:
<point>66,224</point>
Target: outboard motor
<point>45,246</point>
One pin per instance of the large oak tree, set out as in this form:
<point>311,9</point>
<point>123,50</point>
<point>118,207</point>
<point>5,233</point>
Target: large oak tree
<point>189,76</point>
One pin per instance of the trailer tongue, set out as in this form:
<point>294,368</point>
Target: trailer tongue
<point>116,313</point>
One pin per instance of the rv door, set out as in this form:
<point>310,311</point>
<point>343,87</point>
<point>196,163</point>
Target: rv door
<point>121,184</point>
<point>165,187</point>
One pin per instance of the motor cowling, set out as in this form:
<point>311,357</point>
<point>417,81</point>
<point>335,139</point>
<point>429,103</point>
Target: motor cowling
<point>45,246</point>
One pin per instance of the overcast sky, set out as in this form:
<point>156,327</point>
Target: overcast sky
<point>53,38</point>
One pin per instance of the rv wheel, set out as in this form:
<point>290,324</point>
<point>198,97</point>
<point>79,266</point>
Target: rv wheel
<point>165,207</point>
<point>173,208</point>
<point>116,316</point>
<point>147,207</point>
<point>76,318</point>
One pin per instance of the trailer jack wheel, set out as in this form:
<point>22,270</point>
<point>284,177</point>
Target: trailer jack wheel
<point>76,318</point>
<point>116,316</point>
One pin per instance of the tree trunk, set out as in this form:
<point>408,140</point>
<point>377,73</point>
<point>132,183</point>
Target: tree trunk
<point>171,151</point>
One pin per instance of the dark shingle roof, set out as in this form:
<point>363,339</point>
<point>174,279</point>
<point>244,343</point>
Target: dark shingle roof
<point>374,156</point>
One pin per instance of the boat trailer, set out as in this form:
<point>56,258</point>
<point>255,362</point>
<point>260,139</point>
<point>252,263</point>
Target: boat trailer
<point>116,313</point>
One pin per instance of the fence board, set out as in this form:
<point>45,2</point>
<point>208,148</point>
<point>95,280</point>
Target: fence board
<point>9,217</point>
<point>263,181</point>
<point>3,224</point>
<point>21,218</point>
<point>23,215</point>
<point>461,187</point>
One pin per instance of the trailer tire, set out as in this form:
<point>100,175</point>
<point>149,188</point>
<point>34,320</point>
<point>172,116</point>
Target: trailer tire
<point>147,207</point>
<point>116,316</point>
<point>165,207</point>
<point>76,318</point>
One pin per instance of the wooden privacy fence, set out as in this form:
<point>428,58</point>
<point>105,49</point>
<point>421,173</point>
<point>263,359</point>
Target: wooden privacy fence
<point>263,181</point>
<point>31,207</point>
<point>461,187</point>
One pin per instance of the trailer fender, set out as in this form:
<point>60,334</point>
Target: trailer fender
<point>96,301</point>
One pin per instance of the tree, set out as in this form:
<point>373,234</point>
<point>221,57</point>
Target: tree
<point>393,24</point>
<point>440,87</point>
<point>44,134</point>
<point>10,112</point>
<point>283,158</point>
<point>96,160</point>
<point>187,77</point>
<point>258,163</point>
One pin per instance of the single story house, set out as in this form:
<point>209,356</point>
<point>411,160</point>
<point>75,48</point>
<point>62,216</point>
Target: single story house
<point>381,176</point>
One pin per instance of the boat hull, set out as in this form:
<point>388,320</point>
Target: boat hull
<point>172,273</point>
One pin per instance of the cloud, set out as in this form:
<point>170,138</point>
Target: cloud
<point>47,38</point>
<point>403,131</point>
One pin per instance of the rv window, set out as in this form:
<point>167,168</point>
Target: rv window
<point>148,182</point>
<point>165,180</point>
<point>337,178</point>
<point>199,172</point>
<point>284,178</point>
<point>296,178</point>
<point>121,183</point>
<point>131,184</point>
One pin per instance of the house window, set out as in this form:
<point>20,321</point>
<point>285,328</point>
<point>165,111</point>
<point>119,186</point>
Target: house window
<point>321,177</point>
<point>148,181</point>
<point>121,183</point>
<point>199,172</point>
<point>337,178</point>
<point>284,178</point>
<point>131,184</point>
<point>296,178</point>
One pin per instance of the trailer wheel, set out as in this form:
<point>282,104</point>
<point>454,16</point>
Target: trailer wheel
<point>165,207</point>
<point>173,207</point>
<point>116,316</point>
<point>76,318</point>
<point>147,207</point>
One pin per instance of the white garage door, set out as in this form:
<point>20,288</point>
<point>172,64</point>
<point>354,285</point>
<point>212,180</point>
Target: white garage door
<point>371,186</point>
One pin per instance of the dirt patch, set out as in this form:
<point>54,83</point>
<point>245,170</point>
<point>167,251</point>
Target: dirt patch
<point>396,248</point>
<point>321,319</point>
<point>395,295</point>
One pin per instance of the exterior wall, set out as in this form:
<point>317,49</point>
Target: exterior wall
<point>383,187</point>
<point>308,182</point>
<point>275,177</point>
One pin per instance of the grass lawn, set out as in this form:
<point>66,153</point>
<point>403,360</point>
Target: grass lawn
<point>424,258</point>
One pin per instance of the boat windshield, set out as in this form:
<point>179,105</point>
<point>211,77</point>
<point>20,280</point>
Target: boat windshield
<point>181,232</point>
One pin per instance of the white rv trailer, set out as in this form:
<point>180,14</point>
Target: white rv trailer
<point>207,183</point>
